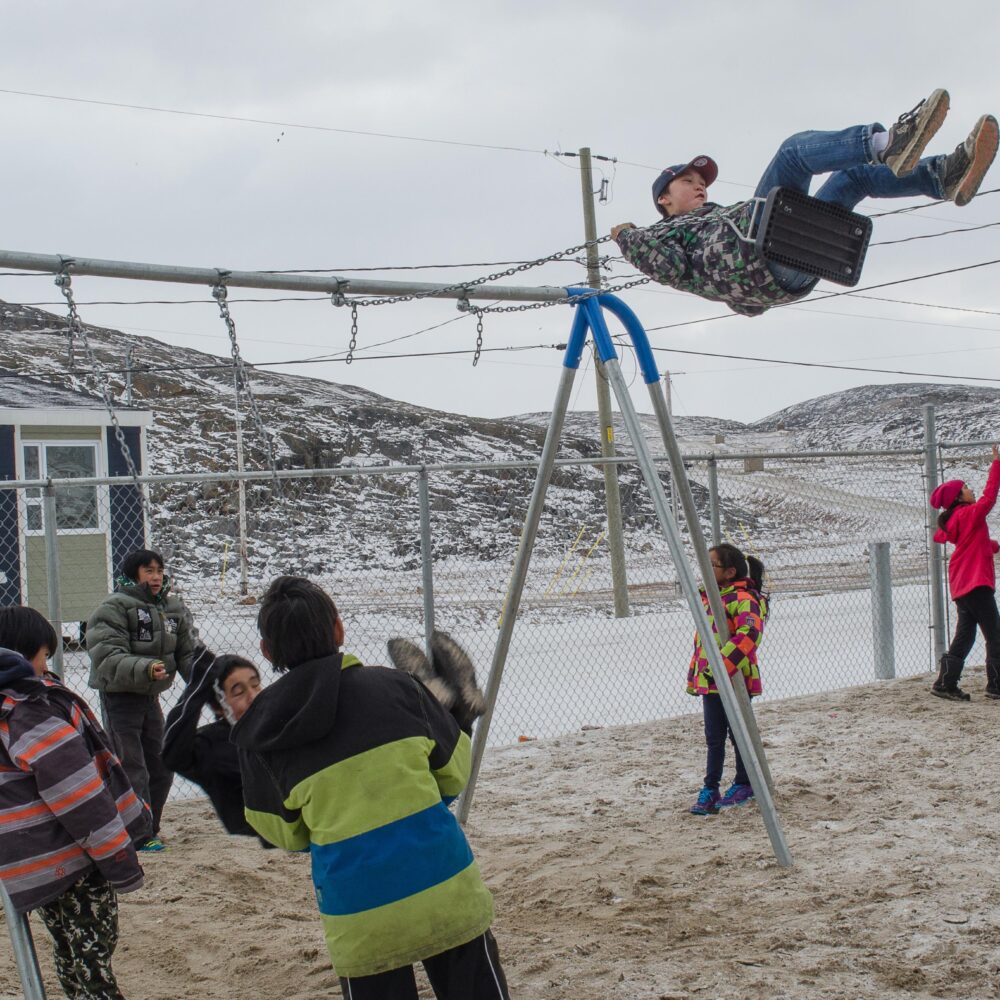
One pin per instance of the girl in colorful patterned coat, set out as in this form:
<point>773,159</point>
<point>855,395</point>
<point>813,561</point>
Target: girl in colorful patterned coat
<point>740,580</point>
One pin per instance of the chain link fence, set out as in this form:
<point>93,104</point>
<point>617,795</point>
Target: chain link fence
<point>810,517</point>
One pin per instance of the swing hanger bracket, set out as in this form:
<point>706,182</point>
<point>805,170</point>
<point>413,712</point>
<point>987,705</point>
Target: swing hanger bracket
<point>337,296</point>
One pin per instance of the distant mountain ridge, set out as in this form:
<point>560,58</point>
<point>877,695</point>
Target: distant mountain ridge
<point>369,521</point>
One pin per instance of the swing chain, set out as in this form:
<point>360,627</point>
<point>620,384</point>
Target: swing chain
<point>354,334</point>
<point>220,294</point>
<point>525,306</point>
<point>64,282</point>
<point>479,336</point>
<point>446,290</point>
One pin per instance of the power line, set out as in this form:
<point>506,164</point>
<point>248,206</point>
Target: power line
<point>140,368</point>
<point>832,295</point>
<point>822,364</point>
<point>264,121</point>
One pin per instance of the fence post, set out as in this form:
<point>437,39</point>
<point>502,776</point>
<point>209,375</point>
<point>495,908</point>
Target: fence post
<point>882,627</point>
<point>713,500</point>
<point>24,950</point>
<point>426,558</point>
<point>934,552</point>
<point>52,574</point>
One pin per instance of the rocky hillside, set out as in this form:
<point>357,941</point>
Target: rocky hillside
<point>312,525</point>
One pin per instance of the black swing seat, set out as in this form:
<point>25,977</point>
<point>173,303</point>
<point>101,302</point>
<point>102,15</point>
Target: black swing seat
<point>813,236</point>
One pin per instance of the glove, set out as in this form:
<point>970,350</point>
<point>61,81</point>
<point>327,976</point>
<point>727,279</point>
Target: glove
<point>201,681</point>
<point>451,678</point>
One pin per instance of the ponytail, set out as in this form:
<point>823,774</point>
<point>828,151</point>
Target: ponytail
<point>945,515</point>
<point>756,573</point>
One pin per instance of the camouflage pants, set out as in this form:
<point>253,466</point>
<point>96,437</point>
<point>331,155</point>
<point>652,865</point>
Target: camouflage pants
<point>83,923</point>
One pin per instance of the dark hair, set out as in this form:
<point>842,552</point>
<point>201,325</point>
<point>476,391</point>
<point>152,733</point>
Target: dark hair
<point>25,631</point>
<point>945,515</point>
<point>224,665</point>
<point>141,557</point>
<point>747,567</point>
<point>297,621</point>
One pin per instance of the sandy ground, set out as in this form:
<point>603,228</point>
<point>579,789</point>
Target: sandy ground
<point>607,888</point>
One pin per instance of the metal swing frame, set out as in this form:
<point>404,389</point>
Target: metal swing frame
<point>590,319</point>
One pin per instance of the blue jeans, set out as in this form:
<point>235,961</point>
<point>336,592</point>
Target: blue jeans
<point>855,174</point>
<point>717,728</point>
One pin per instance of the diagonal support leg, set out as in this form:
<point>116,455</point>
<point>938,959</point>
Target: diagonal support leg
<point>523,557</point>
<point>739,723</point>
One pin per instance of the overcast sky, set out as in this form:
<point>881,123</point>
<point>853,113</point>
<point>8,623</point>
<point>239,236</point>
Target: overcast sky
<point>649,83</point>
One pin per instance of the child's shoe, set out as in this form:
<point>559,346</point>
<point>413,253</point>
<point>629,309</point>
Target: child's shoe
<point>954,693</point>
<point>912,131</point>
<point>153,844</point>
<point>707,804</point>
<point>736,795</point>
<point>965,169</point>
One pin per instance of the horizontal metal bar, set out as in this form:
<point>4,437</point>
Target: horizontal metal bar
<point>412,470</point>
<point>279,282</point>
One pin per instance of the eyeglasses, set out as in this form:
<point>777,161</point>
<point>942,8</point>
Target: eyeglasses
<point>718,566</point>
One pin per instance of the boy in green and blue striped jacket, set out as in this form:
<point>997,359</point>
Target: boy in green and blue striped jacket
<point>358,764</point>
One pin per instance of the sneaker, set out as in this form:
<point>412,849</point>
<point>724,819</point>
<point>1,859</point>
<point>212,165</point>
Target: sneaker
<point>707,804</point>
<point>994,695</point>
<point>152,845</point>
<point>736,795</point>
<point>950,693</point>
<point>908,138</point>
<point>965,169</point>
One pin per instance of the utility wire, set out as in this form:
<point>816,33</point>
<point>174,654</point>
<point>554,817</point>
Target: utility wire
<point>140,369</point>
<point>821,364</point>
<point>264,121</point>
<point>832,295</point>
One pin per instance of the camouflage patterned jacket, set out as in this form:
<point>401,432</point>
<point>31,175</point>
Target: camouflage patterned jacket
<point>699,252</point>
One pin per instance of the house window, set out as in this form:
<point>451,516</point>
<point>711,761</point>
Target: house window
<point>76,506</point>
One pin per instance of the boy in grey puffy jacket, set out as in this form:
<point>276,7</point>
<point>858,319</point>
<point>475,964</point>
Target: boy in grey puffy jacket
<point>139,639</point>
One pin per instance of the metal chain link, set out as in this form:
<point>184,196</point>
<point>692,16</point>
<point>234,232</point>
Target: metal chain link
<point>448,289</point>
<point>65,285</point>
<point>479,336</point>
<point>525,306</point>
<point>220,294</point>
<point>354,333</point>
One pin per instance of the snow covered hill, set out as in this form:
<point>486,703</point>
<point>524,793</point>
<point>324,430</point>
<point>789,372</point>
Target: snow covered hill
<point>369,521</point>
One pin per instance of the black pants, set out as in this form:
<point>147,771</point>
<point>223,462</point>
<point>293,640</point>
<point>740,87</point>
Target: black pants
<point>83,923</point>
<point>978,607</point>
<point>469,972</point>
<point>135,722</point>
<point>717,728</point>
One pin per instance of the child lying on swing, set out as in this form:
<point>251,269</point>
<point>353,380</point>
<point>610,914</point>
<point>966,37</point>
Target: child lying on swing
<point>695,249</point>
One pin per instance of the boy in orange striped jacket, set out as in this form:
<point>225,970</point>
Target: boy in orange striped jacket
<point>68,815</point>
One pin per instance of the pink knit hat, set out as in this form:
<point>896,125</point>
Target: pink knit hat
<point>946,494</point>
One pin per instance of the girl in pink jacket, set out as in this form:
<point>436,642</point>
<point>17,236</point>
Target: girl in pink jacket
<point>971,579</point>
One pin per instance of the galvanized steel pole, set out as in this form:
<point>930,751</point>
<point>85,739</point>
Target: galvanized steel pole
<point>738,721</point>
<point>938,637</point>
<point>52,573</point>
<point>24,950</point>
<point>53,264</point>
<point>517,580</point>
<point>682,488</point>
<point>612,495</point>
<point>426,559</point>
<point>713,500</point>
<point>882,627</point>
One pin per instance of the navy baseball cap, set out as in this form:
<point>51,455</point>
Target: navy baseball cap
<point>705,166</point>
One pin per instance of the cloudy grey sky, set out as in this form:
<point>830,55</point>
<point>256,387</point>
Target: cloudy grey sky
<point>649,83</point>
